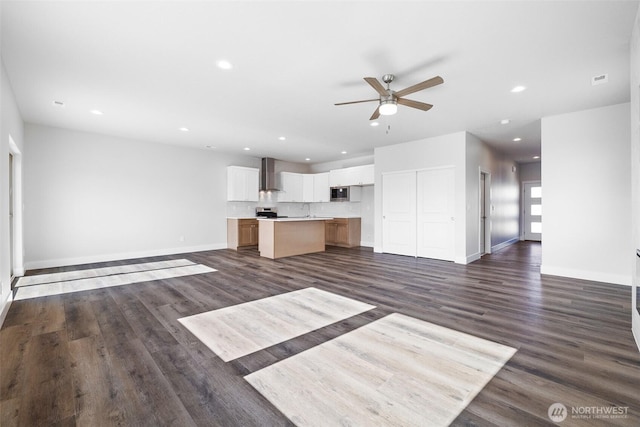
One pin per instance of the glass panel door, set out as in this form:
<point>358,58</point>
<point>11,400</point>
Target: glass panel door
<point>532,197</point>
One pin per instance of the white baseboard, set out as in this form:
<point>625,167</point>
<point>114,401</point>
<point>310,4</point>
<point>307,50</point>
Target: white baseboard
<point>32,265</point>
<point>635,326</point>
<point>617,279</point>
<point>504,244</point>
<point>474,257</point>
<point>5,308</point>
<point>366,244</point>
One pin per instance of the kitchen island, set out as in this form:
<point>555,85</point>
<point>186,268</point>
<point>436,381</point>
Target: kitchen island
<point>282,237</point>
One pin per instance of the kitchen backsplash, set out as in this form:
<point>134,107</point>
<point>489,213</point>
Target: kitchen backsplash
<point>342,209</point>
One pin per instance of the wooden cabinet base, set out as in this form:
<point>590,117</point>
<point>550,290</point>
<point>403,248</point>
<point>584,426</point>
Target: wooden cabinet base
<point>242,233</point>
<point>280,239</point>
<point>343,232</point>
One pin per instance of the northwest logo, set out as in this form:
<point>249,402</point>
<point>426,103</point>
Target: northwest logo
<point>557,412</point>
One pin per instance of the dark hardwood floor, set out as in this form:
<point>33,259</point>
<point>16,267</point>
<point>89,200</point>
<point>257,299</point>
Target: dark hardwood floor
<point>118,356</point>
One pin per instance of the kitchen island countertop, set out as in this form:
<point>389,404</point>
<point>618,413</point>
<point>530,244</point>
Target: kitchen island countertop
<point>297,218</point>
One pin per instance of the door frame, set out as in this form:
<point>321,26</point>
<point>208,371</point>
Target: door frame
<point>16,248</point>
<point>487,211</point>
<point>523,205</point>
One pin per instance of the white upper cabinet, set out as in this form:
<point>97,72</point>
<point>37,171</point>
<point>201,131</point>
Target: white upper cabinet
<point>339,178</point>
<point>307,188</point>
<point>291,185</point>
<point>242,184</point>
<point>321,191</point>
<point>366,175</point>
<point>357,175</point>
<point>303,187</point>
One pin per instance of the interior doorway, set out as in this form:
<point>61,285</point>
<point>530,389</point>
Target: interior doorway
<point>11,222</point>
<point>16,265</point>
<point>532,210</point>
<point>485,213</point>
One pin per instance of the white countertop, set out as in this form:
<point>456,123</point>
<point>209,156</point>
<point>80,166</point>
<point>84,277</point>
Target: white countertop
<point>306,218</point>
<point>241,217</point>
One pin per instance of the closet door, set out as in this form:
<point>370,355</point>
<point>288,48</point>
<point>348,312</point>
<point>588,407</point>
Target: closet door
<point>399,213</point>
<point>435,213</point>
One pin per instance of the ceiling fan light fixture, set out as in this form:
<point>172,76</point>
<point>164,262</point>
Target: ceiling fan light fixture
<point>388,107</point>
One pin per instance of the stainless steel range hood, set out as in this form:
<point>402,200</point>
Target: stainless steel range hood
<point>268,174</point>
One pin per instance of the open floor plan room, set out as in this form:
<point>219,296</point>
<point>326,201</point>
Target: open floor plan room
<point>120,355</point>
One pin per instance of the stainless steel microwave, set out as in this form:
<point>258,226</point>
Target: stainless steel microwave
<point>339,194</point>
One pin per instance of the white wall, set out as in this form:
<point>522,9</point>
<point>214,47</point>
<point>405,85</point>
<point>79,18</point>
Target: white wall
<point>344,163</point>
<point>635,170</point>
<point>91,197</point>
<point>446,150</point>
<point>10,126</point>
<point>586,178</point>
<point>530,171</point>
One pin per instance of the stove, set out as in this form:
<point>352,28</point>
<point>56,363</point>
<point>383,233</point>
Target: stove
<point>268,213</point>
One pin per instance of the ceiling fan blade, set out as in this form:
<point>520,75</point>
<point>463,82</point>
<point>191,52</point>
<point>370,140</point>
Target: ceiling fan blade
<point>356,102</point>
<point>420,86</point>
<point>375,114</point>
<point>415,104</point>
<point>377,86</point>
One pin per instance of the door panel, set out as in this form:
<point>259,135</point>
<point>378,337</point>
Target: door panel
<point>435,215</point>
<point>532,210</point>
<point>399,213</point>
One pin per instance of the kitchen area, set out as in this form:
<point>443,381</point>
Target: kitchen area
<point>289,213</point>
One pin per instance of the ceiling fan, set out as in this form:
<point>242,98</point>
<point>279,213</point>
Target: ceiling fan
<point>390,99</point>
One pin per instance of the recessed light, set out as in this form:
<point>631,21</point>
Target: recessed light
<point>183,129</point>
<point>343,152</point>
<point>517,139</point>
<point>518,89</point>
<point>223,64</point>
<point>246,148</point>
<point>505,121</point>
<point>374,124</point>
<point>307,159</point>
<point>536,157</point>
<point>282,138</point>
<point>210,147</point>
<point>97,112</point>
<point>58,104</point>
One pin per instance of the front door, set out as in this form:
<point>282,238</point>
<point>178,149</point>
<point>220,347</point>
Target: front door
<point>532,197</point>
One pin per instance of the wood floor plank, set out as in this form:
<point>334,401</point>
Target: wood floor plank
<point>9,412</point>
<point>98,399</point>
<point>13,360</point>
<point>47,393</point>
<point>81,322</point>
<point>119,355</point>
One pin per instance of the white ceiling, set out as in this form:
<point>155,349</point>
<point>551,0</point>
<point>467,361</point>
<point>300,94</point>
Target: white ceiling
<point>150,66</point>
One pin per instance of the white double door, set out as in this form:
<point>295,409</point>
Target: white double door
<point>418,213</point>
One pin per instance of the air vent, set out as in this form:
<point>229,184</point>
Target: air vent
<point>601,79</point>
